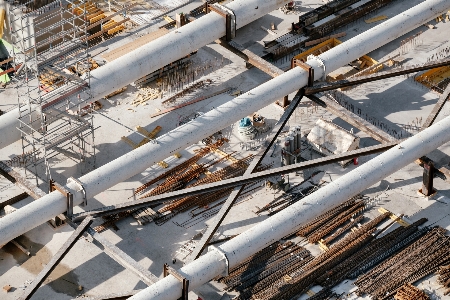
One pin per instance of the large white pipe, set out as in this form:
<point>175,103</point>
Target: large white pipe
<point>154,55</point>
<point>283,223</point>
<point>219,259</point>
<point>140,159</point>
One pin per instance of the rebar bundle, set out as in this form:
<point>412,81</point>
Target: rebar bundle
<point>419,259</point>
<point>175,171</point>
<point>373,253</point>
<point>410,292</point>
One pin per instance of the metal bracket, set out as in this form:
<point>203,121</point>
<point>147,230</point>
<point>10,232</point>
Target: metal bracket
<point>230,17</point>
<point>168,270</point>
<point>306,67</point>
<point>322,63</point>
<point>54,186</point>
<point>227,271</point>
<point>81,188</point>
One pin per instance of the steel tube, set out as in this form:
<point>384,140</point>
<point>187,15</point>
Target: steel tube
<point>154,55</point>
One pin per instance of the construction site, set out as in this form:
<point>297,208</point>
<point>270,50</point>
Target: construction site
<point>215,150</point>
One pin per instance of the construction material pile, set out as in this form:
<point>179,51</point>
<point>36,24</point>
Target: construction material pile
<point>270,265</point>
<point>407,253</point>
<point>328,222</point>
<point>414,262</point>
<point>181,205</point>
<point>444,278</point>
<point>295,279</point>
<point>146,94</point>
<point>410,292</point>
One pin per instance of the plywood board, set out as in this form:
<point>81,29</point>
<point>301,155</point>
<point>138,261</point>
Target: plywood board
<point>127,48</point>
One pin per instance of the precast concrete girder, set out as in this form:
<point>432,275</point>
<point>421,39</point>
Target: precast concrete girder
<point>143,157</point>
<point>153,56</point>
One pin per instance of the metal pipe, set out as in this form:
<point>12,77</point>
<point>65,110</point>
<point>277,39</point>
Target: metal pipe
<point>140,159</point>
<point>153,56</point>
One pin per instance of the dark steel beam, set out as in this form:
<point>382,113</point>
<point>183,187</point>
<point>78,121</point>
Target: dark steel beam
<point>237,181</point>
<point>359,80</point>
<point>21,182</point>
<point>352,119</point>
<point>226,207</point>
<point>437,108</point>
<point>54,261</point>
<point>122,258</point>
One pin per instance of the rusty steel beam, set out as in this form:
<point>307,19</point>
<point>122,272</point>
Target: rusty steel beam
<point>226,207</point>
<point>56,259</point>
<point>21,182</point>
<point>437,108</point>
<point>236,181</point>
<point>356,81</point>
<point>251,57</point>
<point>352,119</point>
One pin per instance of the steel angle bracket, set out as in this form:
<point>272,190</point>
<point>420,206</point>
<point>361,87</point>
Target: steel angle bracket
<point>322,63</point>
<point>306,67</point>
<point>54,186</point>
<point>225,258</point>
<point>230,17</point>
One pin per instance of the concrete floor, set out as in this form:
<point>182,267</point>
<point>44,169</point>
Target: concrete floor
<point>395,102</point>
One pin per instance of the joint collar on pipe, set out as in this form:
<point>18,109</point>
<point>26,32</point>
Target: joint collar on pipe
<point>230,12</point>
<point>321,63</point>
<point>225,258</point>
<point>80,188</point>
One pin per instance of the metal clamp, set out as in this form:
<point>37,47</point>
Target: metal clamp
<point>230,17</point>
<point>168,270</point>
<point>322,63</point>
<point>54,186</point>
<point>81,188</point>
<point>227,271</point>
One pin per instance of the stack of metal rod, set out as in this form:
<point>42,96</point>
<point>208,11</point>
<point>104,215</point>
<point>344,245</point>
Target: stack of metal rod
<point>444,278</point>
<point>414,262</point>
<point>410,292</point>
<point>373,253</point>
<point>186,203</point>
<point>266,267</point>
<point>324,224</point>
<point>295,280</point>
<point>174,179</point>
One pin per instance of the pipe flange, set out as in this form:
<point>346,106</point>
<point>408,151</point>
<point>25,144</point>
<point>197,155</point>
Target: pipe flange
<point>321,62</point>
<point>225,10</point>
<point>225,258</point>
<point>81,188</point>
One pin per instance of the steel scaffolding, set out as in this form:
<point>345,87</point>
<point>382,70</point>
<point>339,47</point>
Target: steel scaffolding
<point>52,62</point>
